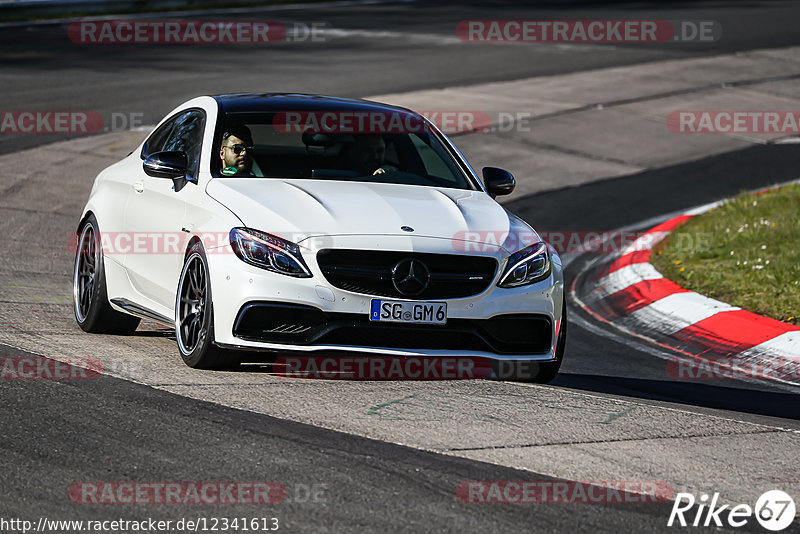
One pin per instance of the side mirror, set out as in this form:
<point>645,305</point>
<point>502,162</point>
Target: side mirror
<point>171,165</point>
<point>498,181</point>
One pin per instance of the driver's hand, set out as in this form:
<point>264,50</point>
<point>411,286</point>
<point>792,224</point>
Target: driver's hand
<point>383,169</point>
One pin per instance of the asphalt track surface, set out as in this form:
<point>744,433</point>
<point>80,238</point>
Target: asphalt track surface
<point>386,48</point>
<point>54,433</point>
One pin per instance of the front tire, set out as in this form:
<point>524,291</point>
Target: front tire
<point>194,313</point>
<point>93,312</point>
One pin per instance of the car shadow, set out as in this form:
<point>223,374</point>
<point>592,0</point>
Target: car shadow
<point>753,401</point>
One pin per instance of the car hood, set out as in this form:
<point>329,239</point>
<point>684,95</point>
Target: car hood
<point>301,209</point>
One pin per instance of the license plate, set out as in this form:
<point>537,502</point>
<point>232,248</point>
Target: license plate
<point>398,311</point>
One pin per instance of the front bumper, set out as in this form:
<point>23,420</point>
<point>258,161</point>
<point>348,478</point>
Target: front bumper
<point>255,309</point>
<point>275,322</point>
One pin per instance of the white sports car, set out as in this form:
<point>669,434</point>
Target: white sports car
<point>310,224</point>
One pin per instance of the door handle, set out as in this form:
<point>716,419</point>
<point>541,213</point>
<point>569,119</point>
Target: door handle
<point>138,187</point>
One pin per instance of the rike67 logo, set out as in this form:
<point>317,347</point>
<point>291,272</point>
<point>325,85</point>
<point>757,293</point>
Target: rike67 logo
<point>774,510</point>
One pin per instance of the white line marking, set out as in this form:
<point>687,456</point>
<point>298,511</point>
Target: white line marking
<point>786,345</point>
<point>649,346</point>
<point>623,278</point>
<point>222,11</point>
<point>645,242</point>
<point>677,311</point>
<point>429,38</point>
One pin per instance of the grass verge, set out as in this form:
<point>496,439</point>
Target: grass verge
<point>745,252</point>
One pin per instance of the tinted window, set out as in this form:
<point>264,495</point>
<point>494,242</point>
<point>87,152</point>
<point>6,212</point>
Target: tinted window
<point>157,139</point>
<point>187,136</point>
<point>409,154</point>
<point>435,159</point>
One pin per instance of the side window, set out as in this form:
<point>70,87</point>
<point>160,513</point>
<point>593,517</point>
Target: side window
<point>155,142</point>
<point>187,135</point>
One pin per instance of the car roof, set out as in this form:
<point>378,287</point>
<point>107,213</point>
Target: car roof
<point>243,102</point>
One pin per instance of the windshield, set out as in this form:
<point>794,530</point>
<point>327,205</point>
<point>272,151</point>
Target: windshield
<point>307,145</point>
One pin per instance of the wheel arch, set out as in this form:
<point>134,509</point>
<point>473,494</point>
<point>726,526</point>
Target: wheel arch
<point>191,243</point>
<point>88,213</point>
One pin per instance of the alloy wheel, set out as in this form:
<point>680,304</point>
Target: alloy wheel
<point>192,309</point>
<point>85,272</point>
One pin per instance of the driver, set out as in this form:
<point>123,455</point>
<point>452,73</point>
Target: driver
<point>368,155</point>
<point>236,151</point>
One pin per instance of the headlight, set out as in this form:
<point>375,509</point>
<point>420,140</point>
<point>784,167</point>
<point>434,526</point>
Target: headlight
<point>269,252</point>
<point>529,265</point>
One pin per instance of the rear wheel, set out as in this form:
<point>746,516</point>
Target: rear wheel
<point>194,310</point>
<point>90,298</point>
<point>530,371</point>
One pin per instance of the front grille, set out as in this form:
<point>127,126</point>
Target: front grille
<point>296,324</point>
<point>370,272</point>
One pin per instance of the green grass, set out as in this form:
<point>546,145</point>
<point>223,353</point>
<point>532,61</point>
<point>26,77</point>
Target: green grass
<point>745,252</point>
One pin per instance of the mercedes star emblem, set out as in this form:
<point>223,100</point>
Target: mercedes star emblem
<point>410,277</point>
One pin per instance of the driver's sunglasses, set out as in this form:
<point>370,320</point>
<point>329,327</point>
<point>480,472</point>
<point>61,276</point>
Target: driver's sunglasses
<point>238,149</point>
